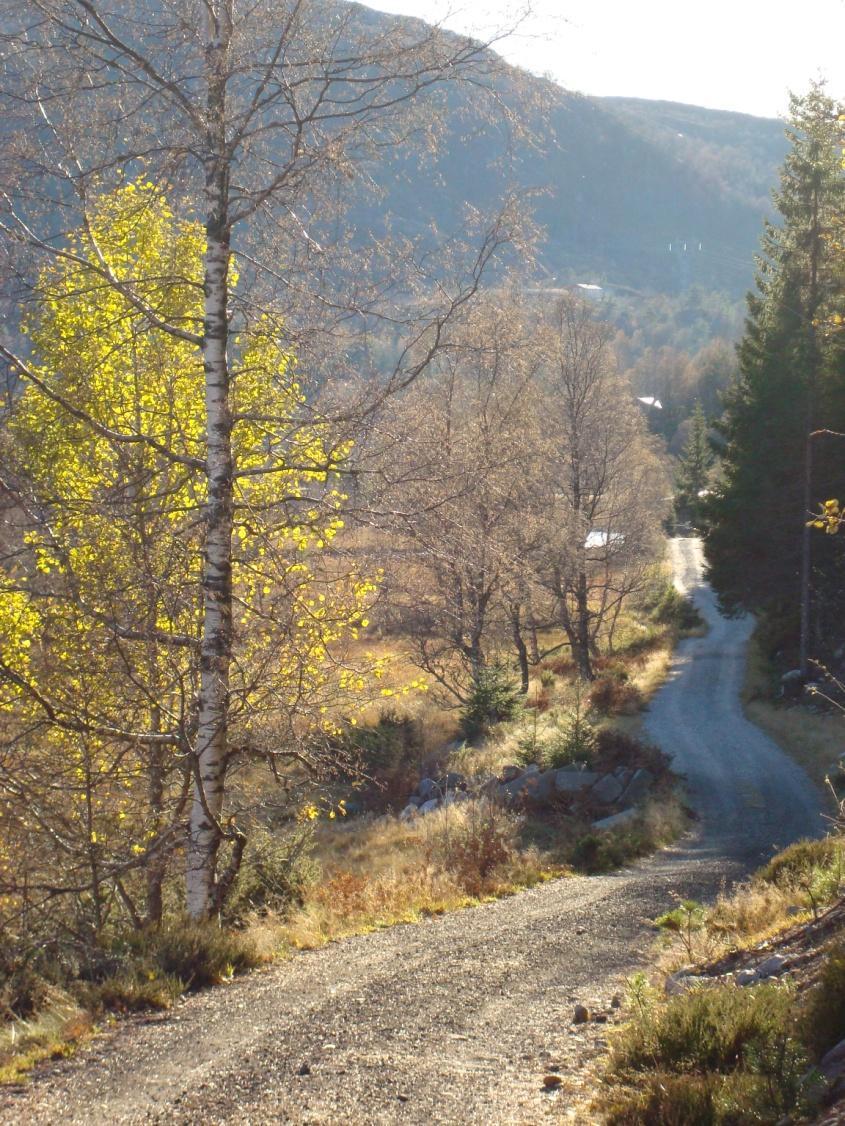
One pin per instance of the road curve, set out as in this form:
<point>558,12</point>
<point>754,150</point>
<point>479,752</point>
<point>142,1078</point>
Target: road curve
<point>750,796</point>
<point>454,1020</point>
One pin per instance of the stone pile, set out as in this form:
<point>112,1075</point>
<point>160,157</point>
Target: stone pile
<point>531,787</point>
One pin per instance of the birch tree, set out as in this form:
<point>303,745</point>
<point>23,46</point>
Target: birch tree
<point>101,603</point>
<point>254,117</point>
<point>603,485</point>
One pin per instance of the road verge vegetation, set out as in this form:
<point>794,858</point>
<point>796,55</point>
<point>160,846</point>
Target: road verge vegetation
<point>744,1019</point>
<point>810,729</point>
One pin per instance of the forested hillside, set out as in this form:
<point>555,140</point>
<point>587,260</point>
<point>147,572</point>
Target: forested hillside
<point>647,195</point>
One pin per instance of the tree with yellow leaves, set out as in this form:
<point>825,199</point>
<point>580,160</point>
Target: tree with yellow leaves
<point>105,574</point>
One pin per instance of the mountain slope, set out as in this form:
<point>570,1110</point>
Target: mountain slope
<point>650,195</point>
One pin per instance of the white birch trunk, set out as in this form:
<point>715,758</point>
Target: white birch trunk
<point>216,653</point>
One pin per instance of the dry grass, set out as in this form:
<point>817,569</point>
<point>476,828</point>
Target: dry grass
<point>387,872</point>
<point>815,739</point>
<point>792,888</point>
<point>53,1033</point>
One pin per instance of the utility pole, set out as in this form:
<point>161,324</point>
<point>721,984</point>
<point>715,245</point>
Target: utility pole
<point>809,429</point>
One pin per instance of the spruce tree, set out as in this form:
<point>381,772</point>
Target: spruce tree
<point>790,383</point>
<point>696,464</point>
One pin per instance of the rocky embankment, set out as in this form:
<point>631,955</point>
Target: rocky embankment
<point>614,794</point>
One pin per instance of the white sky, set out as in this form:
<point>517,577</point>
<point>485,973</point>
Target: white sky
<point>727,54</point>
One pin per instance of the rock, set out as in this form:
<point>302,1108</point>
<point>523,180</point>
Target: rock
<point>429,806</point>
<point>639,786</point>
<point>681,981</point>
<point>794,910</point>
<point>615,820</point>
<point>792,684</point>
<point>772,967</point>
<point>304,1069</point>
<point>581,1014</point>
<point>569,781</point>
<point>461,796</point>
<point>746,977</point>
<point>533,788</point>
<point>510,773</point>
<point>532,768</point>
<point>832,1063</point>
<point>552,1082</point>
<point>453,781</point>
<point>427,789</point>
<point>616,1001</point>
<point>607,790</point>
<point>409,813</point>
<point>415,799</point>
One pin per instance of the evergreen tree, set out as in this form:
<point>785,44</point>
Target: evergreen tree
<point>693,476</point>
<point>790,383</point>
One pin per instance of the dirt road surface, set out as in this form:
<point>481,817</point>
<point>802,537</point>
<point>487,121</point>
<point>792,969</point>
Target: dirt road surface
<point>455,1020</point>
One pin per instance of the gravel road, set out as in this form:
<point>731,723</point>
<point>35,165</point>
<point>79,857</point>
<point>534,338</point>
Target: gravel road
<point>455,1020</point>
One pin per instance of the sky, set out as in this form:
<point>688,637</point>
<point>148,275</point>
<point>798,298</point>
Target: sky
<point>725,54</point>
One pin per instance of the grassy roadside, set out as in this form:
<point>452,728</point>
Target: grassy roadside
<point>372,871</point>
<point>808,733</point>
<point>755,999</point>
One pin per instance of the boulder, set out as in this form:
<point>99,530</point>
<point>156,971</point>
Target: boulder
<point>792,684</point>
<point>453,781</point>
<point>415,799</point>
<point>408,813</point>
<point>510,773</point>
<point>428,789</point>
<point>568,781</point>
<point>616,820</point>
<point>772,967</point>
<point>832,1064</point>
<point>532,768</point>
<point>638,787</point>
<point>429,806</point>
<point>680,982</point>
<point>607,790</point>
<point>536,788</point>
<point>746,977</point>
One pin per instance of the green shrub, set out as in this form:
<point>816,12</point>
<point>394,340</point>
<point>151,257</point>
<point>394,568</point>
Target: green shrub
<point>797,863</point>
<point>665,605</point>
<point>665,1099</point>
<point>684,920</point>
<point>719,1028</point>
<point>558,742</point>
<point>134,990</point>
<point>494,698</point>
<point>276,872</point>
<point>386,755</point>
<point>23,990</point>
<point>197,954</point>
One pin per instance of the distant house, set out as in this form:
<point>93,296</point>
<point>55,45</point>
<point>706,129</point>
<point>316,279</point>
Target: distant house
<point>599,538</point>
